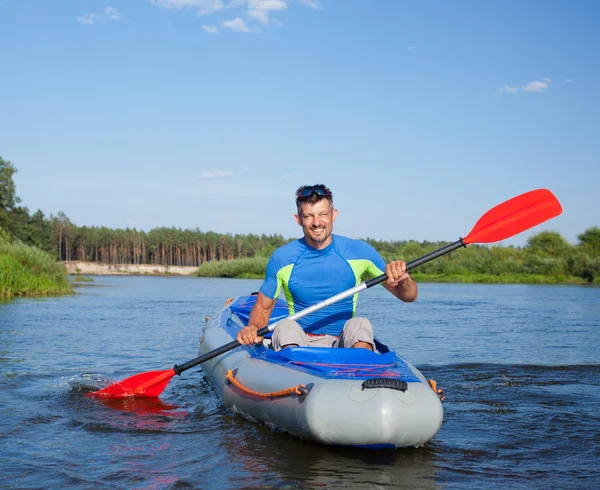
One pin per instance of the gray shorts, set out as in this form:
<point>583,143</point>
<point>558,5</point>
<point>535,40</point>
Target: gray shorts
<point>290,332</point>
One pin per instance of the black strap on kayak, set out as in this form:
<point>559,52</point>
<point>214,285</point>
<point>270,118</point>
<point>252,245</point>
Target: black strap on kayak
<point>393,384</point>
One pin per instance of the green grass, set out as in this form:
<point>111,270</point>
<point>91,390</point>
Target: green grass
<point>249,268</point>
<point>497,279</point>
<point>28,271</point>
<point>80,278</point>
<point>254,268</point>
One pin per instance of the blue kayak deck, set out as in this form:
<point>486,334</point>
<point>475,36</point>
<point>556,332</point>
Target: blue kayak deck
<point>323,362</point>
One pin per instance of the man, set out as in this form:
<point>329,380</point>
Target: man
<point>314,268</point>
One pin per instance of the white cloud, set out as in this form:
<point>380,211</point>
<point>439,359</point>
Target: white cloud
<point>536,85</point>
<point>216,174</point>
<point>210,29</point>
<point>313,4</point>
<point>506,90</point>
<point>112,13</point>
<point>210,7</point>
<point>267,5</point>
<point>205,7</point>
<point>259,15</point>
<point>236,25</point>
<point>258,11</point>
<point>410,48</point>
<point>179,4</point>
<point>87,19</point>
<point>109,13</point>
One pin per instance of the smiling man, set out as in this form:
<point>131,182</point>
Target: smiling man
<point>316,267</point>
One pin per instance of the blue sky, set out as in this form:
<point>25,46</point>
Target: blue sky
<point>420,116</point>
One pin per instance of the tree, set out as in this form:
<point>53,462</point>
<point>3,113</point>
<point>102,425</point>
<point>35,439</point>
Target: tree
<point>8,196</point>
<point>62,230</point>
<point>40,231</point>
<point>19,224</point>
<point>548,244</point>
<point>590,241</point>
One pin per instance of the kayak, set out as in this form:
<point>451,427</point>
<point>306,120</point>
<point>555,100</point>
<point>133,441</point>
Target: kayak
<point>334,396</point>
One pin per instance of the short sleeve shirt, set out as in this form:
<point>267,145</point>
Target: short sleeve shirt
<point>308,276</point>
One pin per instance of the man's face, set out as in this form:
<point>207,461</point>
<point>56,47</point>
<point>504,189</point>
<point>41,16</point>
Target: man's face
<point>316,221</point>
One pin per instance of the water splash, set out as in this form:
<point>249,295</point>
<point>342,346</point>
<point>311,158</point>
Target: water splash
<point>89,382</point>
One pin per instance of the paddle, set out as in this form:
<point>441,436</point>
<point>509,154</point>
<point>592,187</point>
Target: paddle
<point>503,221</point>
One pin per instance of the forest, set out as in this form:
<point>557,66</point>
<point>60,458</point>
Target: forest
<point>547,256</point>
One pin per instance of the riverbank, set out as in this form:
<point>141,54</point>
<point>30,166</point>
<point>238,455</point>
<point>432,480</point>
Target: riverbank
<point>28,271</point>
<point>98,269</point>
<point>243,269</point>
<point>254,268</point>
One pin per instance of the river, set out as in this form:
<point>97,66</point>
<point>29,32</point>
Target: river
<point>519,364</point>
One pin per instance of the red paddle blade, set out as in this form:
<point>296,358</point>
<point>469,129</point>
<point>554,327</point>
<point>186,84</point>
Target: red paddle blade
<point>514,216</point>
<point>150,384</point>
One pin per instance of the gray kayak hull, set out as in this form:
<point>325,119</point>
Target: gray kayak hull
<point>333,412</point>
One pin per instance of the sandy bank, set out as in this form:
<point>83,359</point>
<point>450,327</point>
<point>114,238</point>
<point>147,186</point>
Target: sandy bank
<point>96,269</point>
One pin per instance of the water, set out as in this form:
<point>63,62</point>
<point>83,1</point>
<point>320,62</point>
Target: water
<point>519,364</point>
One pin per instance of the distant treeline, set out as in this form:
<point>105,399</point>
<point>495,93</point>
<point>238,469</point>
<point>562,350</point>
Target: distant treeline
<point>546,254</point>
<point>547,258</point>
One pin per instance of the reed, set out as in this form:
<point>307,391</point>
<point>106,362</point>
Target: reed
<point>247,268</point>
<point>448,271</point>
<point>80,278</point>
<point>29,271</point>
<point>496,278</point>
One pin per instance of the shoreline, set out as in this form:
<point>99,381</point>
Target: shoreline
<point>98,269</point>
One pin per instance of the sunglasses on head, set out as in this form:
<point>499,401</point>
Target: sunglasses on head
<point>309,190</point>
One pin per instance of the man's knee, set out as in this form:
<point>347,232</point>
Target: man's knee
<point>288,332</point>
<point>355,330</point>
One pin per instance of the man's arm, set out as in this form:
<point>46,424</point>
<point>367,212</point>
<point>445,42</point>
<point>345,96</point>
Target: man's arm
<point>259,318</point>
<point>399,282</point>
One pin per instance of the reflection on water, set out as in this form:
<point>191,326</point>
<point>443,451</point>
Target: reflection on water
<point>140,406</point>
<point>309,465</point>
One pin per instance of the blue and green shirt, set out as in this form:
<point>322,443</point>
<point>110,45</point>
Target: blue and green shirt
<point>307,276</point>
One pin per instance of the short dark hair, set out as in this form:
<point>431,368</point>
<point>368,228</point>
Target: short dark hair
<point>313,194</point>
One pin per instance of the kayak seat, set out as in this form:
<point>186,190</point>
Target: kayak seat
<point>346,363</point>
<point>334,355</point>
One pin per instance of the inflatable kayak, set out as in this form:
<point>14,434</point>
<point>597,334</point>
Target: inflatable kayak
<point>345,397</point>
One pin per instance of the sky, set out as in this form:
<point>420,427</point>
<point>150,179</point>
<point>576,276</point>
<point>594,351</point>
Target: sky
<point>419,115</point>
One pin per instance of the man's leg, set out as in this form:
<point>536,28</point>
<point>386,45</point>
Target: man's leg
<point>357,332</point>
<point>288,333</point>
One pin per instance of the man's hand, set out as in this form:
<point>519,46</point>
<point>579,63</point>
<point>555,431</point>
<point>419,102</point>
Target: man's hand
<point>260,314</point>
<point>247,336</point>
<point>399,282</point>
<point>396,272</point>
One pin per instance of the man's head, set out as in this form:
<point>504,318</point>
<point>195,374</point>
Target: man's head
<point>315,214</point>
